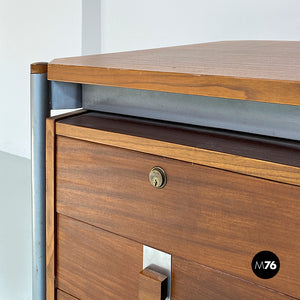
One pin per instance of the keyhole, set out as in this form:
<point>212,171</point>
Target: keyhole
<point>157,177</point>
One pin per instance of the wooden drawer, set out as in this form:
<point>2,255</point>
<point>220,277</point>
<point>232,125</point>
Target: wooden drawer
<point>192,281</point>
<point>95,264</point>
<point>213,217</point>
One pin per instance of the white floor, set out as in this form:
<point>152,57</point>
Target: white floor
<point>15,228</point>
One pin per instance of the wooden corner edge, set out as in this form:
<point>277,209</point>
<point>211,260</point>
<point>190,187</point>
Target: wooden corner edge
<point>38,68</point>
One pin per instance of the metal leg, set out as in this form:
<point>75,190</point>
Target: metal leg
<point>40,110</point>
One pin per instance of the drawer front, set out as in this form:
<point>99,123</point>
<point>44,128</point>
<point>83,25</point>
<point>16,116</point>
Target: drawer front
<point>60,295</point>
<point>213,217</point>
<point>91,266</point>
<point>95,264</point>
<point>192,281</point>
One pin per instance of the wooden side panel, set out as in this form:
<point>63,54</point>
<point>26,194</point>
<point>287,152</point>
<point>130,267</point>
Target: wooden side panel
<point>60,295</point>
<point>50,201</point>
<point>95,264</point>
<point>192,281</point>
<point>217,218</point>
<point>50,209</point>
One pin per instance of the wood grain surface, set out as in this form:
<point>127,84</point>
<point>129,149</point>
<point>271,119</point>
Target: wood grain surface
<point>217,218</point>
<point>50,201</point>
<point>152,285</point>
<point>266,71</point>
<point>38,68</point>
<point>95,264</point>
<point>60,295</point>
<point>255,146</point>
<point>265,148</point>
<point>50,209</point>
<point>192,281</point>
<point>232,162</point>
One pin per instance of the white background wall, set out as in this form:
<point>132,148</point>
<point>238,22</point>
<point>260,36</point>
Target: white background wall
<point>30,31</point>
<point>136,24</point>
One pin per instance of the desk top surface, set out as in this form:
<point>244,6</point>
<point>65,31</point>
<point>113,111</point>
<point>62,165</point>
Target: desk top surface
<point>265,71</point>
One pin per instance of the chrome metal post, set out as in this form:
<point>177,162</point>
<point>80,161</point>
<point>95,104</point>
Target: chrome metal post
<point>40,110</point>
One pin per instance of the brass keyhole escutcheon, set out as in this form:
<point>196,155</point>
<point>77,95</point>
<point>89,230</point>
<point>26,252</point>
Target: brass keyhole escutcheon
<point>158,177</point>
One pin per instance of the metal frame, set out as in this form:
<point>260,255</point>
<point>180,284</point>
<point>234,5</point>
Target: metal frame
<point>44,96</point>
<point>40,110</point>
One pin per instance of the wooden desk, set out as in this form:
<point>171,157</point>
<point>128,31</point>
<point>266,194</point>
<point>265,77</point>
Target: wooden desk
<point>228,196</point>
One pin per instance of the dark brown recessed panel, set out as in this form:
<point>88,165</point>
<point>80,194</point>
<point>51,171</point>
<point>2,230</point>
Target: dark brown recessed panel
<point>95,264</point>
<point>216,218</point>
